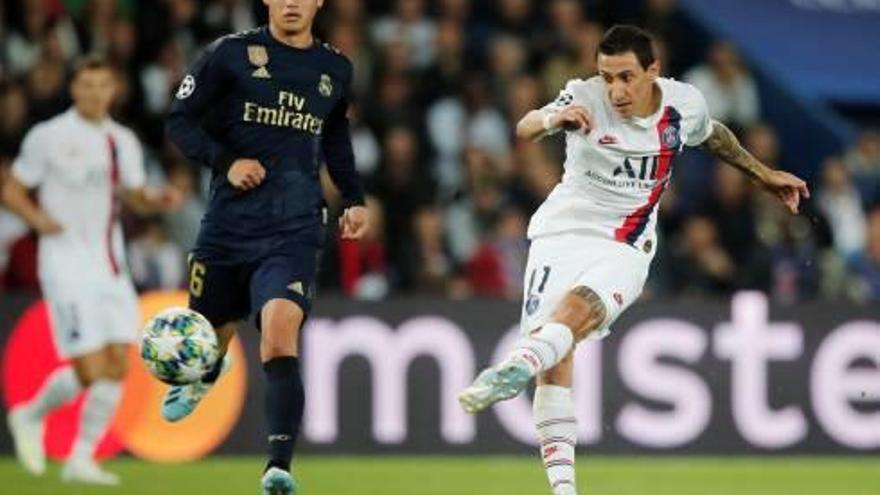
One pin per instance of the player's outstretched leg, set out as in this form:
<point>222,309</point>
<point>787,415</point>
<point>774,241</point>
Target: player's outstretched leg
<point>555,422</point>
<point>26,422</point>
<point>580,312</point>
<point>181,400</point>
<point>535,353</point>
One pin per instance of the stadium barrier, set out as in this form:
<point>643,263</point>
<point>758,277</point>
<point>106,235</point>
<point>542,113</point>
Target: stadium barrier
<point>683,376</point>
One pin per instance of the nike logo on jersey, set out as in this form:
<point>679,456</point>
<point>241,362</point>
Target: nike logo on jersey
<point>607,139</point>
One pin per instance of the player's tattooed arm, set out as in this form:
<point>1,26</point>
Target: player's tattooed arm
<point>723,144</point>
<point>785,186</point>
<point>582,310</point>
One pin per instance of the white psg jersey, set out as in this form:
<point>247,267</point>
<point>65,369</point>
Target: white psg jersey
<point>614,175</point>
<point>78,167</point>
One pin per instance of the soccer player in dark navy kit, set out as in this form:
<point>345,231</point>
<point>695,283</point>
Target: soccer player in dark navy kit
<point>262,109</point>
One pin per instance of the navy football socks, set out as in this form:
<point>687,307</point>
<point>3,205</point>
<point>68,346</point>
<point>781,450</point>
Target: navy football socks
<point>285,401</point>
<point>211,376</point>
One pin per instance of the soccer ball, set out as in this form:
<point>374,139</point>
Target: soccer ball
<point>179,346</point>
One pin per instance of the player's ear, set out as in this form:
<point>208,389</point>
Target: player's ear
<point>320,3</point>
<point>653,70</point>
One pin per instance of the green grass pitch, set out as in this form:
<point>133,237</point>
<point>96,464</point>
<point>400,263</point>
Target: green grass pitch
<point>476,475</point>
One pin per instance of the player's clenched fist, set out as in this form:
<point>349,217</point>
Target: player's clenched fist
<point>355,222</point>
<point>246,174</point>
<point>571,119</point>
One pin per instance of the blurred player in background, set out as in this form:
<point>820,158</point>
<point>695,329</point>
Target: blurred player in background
<point>261,108</point>
<point>594,237</point>
<point>81,162</point>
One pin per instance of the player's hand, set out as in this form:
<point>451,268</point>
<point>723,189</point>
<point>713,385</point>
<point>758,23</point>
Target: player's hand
<point>354,222</point>
<point>171,198</point>
<point>46,226</point>
<point>788,188</point>
<point>572,119</point>
<point>246,174</point>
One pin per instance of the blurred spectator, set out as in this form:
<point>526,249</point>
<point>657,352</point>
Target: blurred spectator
<point>428,268</point>
<point>409,25</point>
<point>732,209</point>
<point>496,268</point>
<point>863,162</point>
<point>795,272</point>
<point>515,17</point>
<point>444,77</point>
<point>155,261</point>
<point>12,228</point>
<point>95,25</point>
<point>727,85</point>
<point>367,152</point>
<point>473,209</point>
<point>662,19</point>
<point>349,39</point>
<point>702,264</point>
<point>229,16</point>
<point>23,45</point>
<point>46,82</point>
<point>840,202</point>
<point>14,112</point>
<point>507,60</point>
<point>403,179</point>
<point>866,267</point>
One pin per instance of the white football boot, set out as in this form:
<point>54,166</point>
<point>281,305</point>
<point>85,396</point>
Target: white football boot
<point>27,433</point>
<point>87,471</point>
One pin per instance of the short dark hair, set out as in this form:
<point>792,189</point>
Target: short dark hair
<point>91,62</point>
<point>624,38</point>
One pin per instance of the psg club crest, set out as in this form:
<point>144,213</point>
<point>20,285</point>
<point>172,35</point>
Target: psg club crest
<point>259,57</point>
<point>325,86</point>
<point>532,304</point>
<point>671,139</point>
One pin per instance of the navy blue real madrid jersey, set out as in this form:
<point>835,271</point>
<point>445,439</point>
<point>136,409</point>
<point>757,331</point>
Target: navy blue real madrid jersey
<point>251,96</point>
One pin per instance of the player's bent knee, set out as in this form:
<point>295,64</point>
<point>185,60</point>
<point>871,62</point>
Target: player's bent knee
<point>89,370</point>
<point>582,310</point>
<point>280,323</point>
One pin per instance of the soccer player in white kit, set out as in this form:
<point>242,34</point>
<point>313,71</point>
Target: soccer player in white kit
<point>81,162</point>
<point>593,239</point>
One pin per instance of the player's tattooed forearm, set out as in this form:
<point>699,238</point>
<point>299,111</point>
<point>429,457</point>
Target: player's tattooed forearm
<point>593,299</point>
<point>722,143</point>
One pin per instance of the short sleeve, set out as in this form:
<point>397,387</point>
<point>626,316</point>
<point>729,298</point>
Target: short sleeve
<point>131,162</point>
<point>32,163</point>
<point>698,122</point>
<point>563,100</point>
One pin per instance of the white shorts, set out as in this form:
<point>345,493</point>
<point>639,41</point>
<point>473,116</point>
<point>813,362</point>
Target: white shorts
<point>559,263</point>
<point>88,316</point>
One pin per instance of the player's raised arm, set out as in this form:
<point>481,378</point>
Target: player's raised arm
<point>723,144</point>
<point>336,145</point>
<point>198,91</point>
<point>563,113</point>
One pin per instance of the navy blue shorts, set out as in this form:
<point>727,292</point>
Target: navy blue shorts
<point>225,293</point>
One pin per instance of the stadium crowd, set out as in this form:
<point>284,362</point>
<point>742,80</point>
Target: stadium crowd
<point>439,86</point>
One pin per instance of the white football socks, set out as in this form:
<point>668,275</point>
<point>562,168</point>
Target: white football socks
<point>97,412</point>
<point>555,422</point>
<point>544,348</point>
<point>61,387</point>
